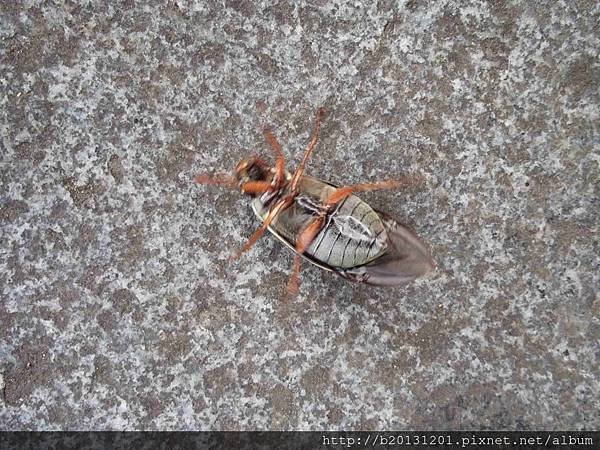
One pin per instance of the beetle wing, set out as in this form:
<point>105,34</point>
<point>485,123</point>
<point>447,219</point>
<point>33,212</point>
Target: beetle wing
<point>406,259</point>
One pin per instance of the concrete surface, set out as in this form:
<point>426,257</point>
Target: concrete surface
<point>119,308</point>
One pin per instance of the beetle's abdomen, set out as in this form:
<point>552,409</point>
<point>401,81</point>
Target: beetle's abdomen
<point>352,236</point>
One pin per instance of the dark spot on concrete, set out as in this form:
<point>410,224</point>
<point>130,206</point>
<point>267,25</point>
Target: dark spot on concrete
<point>107,320</point>
<point>82,195</point>
<point>335,416</point>
<point>220,380</point>
<point>103,368</point>
<point>583,76</point>
<point>174,345</point>
<point>282,402</point>
<point>12,209</point>
<point>152,406</point>
<point>115,167</point>
<point>33,370</point>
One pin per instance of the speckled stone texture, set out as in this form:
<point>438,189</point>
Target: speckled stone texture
<point>119,308</point>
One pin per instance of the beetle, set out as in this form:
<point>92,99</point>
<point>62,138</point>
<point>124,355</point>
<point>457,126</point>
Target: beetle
<point>326,224</point>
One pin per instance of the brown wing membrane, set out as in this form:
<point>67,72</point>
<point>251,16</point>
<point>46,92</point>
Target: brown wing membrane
<point>408,258</point>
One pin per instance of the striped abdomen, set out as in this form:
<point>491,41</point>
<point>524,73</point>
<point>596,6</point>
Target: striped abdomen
<point>353,234</point>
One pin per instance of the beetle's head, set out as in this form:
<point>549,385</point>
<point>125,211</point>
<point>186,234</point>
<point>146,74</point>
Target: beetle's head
<point>252,169</point>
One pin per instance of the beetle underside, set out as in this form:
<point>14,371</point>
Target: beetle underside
<point>320,222</point>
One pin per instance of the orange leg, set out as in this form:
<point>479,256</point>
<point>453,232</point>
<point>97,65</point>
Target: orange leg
<point>217,180</point>
<point>344,192</point>
<point>250,187</point>
<point>279,206</point>
<point>280,163</point>
<point>307,235</point>
<point>308,151</point>
<point>256,187</point>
